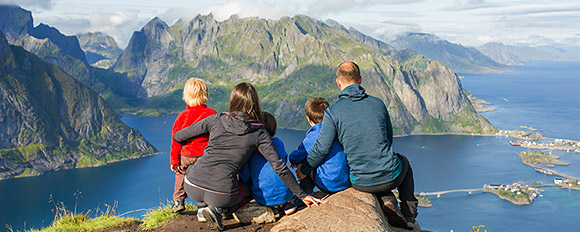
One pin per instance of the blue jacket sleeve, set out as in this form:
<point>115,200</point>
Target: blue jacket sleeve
<point>266,147</point>
<point>322,145</point>
<point>299,155</point>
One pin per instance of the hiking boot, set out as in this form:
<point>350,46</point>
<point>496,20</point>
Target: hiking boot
<point>394,215</point>
<point>289,208</point>
<point>277,211</point>
<point>214,219</point>
<point>412,223</point>
<point>178,206</point>
<point>200,217</point>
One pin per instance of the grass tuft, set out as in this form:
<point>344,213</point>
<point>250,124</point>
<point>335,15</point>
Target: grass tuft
<point>161,215</point>
<point>66,220</point>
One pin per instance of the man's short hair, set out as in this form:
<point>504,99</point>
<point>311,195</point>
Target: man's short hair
<point>348,72</point>
<point>195,92</point>
<point>269,123</point>
<point>314,109</point>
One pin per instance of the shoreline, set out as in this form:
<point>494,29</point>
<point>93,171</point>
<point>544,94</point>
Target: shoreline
<point>91,166</point>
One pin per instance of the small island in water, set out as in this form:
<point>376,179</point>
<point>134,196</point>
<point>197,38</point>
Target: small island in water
<point>516,193</point>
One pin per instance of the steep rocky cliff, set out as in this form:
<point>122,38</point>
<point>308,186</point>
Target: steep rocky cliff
<point>291,60</point>
<point>50,121</point>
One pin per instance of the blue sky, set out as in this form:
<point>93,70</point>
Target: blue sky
<point>469,22</point>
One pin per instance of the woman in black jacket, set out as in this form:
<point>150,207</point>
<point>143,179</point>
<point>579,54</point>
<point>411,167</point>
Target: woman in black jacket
<point>233,138</point>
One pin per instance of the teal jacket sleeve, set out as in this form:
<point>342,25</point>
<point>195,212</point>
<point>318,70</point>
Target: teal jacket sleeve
<point>323,143</point>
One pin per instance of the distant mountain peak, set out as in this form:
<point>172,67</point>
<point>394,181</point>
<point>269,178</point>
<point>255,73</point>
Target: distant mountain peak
<point>456,56</point>
<point>15,21</point>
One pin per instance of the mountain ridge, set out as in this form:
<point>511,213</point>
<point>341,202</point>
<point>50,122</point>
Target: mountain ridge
<point>288,60</point>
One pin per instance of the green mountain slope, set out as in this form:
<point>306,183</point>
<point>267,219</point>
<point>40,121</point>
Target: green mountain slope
<point>290,60</point>
<point>50,121</point>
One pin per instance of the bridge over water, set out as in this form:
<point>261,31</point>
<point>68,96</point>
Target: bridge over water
<point>438,194</point>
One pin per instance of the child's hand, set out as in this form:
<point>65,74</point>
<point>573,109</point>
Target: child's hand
<point>176,168</point>
<point>308,200</point>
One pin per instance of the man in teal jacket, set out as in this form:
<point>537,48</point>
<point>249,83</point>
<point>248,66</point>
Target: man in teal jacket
<point>363,127</point>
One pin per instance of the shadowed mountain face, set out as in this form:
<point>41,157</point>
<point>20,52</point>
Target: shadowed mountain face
<point>65,51</point>
<point>50,121</point>
<point>291,60</point>
<point>455,56</point>
<point>45,41</point>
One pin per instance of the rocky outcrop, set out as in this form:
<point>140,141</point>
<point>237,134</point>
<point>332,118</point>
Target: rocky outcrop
<point>348,210</point>
<point>290,60</point>
<point>51,121</point>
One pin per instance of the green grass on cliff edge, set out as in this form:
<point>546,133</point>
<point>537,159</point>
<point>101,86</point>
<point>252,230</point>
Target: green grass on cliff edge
<point>66,220</point>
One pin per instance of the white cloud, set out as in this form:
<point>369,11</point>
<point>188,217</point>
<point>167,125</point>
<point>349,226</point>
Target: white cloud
<point>246,8</point>
<point>469,5</point>
<point>323,7</point>
<point>30,4</point>
<point>119,25</point>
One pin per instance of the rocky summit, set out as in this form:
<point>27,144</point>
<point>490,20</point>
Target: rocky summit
<point>50,121</point>
<point>291,60</point>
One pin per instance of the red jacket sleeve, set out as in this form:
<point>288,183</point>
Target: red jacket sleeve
<point>175,152</point>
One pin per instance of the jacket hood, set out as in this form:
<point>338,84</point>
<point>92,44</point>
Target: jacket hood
<point>354,92</point>
<point>236,124</point>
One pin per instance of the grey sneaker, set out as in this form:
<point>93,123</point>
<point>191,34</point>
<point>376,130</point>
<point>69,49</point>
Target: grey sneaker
<point>178,206</point>
<point>200,217</point>
<point>214,220</point>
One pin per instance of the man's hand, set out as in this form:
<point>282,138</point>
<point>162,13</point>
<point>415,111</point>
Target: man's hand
<point>299,174</point>
<point>308,200</point>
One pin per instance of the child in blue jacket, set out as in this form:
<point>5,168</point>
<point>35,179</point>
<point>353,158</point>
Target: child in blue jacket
<point>267,188</point>
<point>333,174</point>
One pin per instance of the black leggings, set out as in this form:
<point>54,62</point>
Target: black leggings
<point>404,183</point>
<point>216,200</point>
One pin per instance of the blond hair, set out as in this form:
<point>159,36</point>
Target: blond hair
<point>195,92</point>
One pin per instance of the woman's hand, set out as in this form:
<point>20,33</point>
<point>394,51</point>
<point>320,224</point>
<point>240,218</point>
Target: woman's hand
<point>308,200</point>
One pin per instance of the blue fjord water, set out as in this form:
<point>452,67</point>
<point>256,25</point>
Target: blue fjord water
<point>544,95</point>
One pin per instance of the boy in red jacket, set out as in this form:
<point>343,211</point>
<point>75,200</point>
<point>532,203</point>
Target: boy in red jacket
<point>195,95</point>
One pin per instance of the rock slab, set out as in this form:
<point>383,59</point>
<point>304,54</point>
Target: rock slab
<point>254,213</point>
<point>349,210</point>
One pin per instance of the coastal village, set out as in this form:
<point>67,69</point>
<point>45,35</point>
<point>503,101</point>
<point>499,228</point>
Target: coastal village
<point>542,160</point>
<point>520,193</point>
